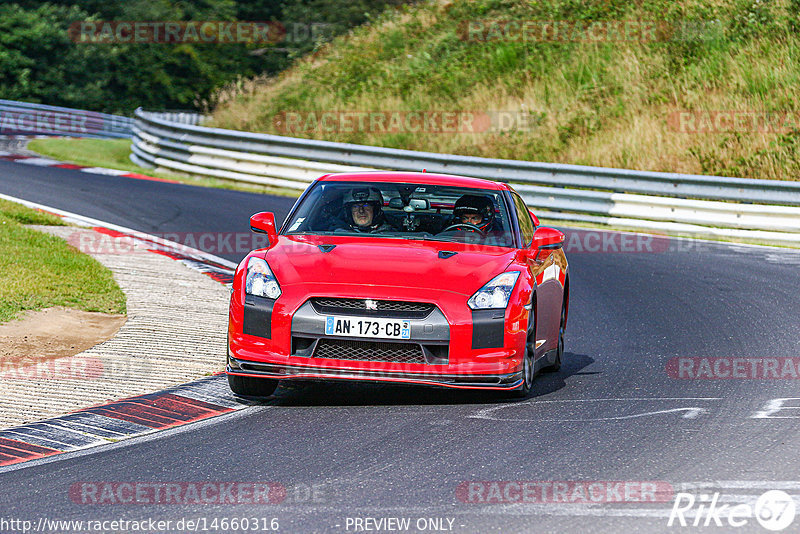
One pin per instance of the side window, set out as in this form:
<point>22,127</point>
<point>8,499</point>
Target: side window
<point>525,223</point>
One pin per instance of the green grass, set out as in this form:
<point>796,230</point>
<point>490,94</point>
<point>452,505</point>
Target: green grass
<point>39,271</point>
<point>115,154</point>
<point>20,214</point>
<point>111,153</point>
<point>593,103</point>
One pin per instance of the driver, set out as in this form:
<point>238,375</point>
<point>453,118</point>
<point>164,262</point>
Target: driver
<point>475,210</point>
<point>363,211</point>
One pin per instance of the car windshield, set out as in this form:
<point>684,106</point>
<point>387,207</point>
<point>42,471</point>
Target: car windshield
<point>404,211</point>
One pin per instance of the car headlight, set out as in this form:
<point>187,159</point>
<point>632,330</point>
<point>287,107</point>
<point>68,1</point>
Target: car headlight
<point>260,281</point>
<point>496,293</point>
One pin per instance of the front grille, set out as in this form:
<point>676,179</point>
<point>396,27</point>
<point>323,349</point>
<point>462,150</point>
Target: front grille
<point>369,351</point>
<point>385,308</point>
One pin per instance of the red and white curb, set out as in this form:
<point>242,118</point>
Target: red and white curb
<point>47,162</point>
<point>132,416</point>
<point>118,420</point>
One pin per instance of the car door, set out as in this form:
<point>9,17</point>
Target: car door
<point>548,289</point>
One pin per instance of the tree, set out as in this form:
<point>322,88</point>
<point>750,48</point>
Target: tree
<point>40,63</point>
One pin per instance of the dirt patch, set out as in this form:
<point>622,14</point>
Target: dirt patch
<point>54,333</point>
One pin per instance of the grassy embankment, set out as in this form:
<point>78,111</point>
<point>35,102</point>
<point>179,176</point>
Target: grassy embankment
<point>39,271</point>
<point>605,103</point>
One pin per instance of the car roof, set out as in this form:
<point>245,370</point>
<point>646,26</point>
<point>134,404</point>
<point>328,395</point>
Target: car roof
<point>415,178</point>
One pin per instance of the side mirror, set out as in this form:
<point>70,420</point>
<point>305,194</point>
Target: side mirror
<point>264,223</point>
<point>546,239</point>
<point>534,217</point>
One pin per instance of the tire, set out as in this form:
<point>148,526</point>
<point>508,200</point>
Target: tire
<point>524,390</point>
<point>562,327</point>
<point>249,386</point>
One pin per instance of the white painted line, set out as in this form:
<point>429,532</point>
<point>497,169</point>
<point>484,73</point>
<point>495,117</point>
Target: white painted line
<point>102,422</point>
<point>570,510</point>
<point>35,439</point>
<point>692,412</point>
<point>57,426</point>
<point>86,430</point>
<point>39,162</point>
<point>191,393</point>
<point>103,170</point>
<point>742,484</point>
<point>622,399</point>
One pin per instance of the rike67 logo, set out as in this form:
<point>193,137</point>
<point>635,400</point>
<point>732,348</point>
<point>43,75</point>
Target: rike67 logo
<point>774,510</point>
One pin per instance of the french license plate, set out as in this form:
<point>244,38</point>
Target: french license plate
<point>362,327</point>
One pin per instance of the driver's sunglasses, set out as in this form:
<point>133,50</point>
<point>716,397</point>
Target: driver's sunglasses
<point>362,205</point>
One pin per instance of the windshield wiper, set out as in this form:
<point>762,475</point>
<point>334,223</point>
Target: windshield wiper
<point>306,232</point>
<point>427,238</point>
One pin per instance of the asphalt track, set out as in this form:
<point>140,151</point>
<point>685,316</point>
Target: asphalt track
<point>612,413</point>
<point>144,205</point>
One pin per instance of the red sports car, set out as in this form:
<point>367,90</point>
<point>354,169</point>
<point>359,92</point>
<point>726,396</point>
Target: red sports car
<point>415,278</point>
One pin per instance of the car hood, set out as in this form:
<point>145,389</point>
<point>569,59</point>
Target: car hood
<point>371,261</point>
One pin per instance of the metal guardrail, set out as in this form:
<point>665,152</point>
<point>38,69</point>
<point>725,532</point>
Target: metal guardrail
<point>182,117</point>
<point>693,204</point>
<point>24,118</point>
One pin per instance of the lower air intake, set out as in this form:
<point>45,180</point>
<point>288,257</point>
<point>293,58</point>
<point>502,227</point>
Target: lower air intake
<point>369,351</point>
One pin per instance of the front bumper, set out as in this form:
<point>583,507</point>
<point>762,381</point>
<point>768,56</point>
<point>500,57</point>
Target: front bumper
<point>295,372</point>
<point>461,348</point>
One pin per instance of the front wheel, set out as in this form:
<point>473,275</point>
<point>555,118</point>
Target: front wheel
<point>249,386</point>
<point>524,390</point>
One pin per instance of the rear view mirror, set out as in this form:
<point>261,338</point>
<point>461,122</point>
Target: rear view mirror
<point>413,203</point>
<point>419,203</point>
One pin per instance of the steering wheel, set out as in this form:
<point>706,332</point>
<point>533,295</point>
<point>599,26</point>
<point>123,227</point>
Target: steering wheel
<point>465,226</point>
